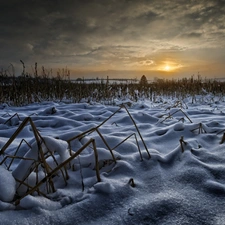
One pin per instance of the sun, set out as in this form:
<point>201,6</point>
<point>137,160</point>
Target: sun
<point>167,68</point>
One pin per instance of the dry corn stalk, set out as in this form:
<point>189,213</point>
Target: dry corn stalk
<point>131,182</point>
<point>182,143</point>
<point>179,110</point>
<point>50,172</point>
<point>134,134</point>
<point>200,129</point>
<point>41,161</point>
<point>48,177</point>
<point>96,129</point>
<point>15,115</point>
<point>223,139</point>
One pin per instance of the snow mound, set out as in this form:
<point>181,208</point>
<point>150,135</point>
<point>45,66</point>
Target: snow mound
<point>38,201</point>
<point>8,185</point>
<point>182,183</point>
<point>25,168</point>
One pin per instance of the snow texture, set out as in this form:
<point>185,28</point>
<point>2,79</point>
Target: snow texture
<point>182,183</point>
<point>8,185</point>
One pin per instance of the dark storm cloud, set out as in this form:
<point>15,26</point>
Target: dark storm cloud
<point>108,33</point>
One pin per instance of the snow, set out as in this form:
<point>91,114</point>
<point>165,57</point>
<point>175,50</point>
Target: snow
<point>8,185</point>
<point>182,183</point>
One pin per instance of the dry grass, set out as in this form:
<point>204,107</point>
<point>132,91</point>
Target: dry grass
<point>26,89</point>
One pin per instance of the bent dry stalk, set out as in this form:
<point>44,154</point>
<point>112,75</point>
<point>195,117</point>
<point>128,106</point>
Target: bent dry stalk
<point>131,182</point>
<point>134,134</point>
<point>200,128</point>
<point>15,115</point>
<point>44,153</point>
<point>223,139</point>
<point>137,130</point>
<point>179,110</point>
<point>63,164</point>
<point>182,143</point>
<point>96,129</point>
<point>40,161</point>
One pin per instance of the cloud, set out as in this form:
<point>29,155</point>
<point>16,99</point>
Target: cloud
<point>114,34</point>
<point>192,35</point>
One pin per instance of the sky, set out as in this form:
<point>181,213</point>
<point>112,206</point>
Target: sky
<point>115,38</point>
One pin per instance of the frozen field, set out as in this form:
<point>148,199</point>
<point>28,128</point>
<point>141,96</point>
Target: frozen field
<point>177,177</point>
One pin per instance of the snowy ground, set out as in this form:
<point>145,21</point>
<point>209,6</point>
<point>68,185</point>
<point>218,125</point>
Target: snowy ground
<point>171,187</point>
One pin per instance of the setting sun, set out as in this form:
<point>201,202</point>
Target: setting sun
<point>167,68</point>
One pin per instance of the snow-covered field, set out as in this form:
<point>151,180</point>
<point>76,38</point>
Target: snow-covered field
<point>183,182</point>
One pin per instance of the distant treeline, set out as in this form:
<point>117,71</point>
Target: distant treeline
<point>27,89</point>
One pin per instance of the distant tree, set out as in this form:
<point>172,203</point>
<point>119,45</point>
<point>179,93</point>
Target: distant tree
<point>143,81</point>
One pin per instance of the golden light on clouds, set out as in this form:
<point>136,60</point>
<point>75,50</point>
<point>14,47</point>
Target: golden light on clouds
<point>169,66</point>
<point>124,38</point>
